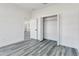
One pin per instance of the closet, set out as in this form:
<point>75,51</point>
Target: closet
<point>50,28</point>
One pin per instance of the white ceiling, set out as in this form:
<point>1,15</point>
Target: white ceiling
<point>33,6</point>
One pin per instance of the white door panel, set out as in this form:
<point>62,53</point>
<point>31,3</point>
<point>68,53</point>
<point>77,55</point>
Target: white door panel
<point>33,29</point>
<point>40,29</point>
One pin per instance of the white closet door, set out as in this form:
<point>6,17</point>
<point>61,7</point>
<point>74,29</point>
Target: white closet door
<point>50,28</point>
<point>33,29</point>
<point>40,29</point>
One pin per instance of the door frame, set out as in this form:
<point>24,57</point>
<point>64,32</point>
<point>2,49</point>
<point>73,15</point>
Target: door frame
<point>58,26</point>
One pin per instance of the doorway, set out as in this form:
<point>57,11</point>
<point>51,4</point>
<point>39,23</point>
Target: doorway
<point>27,30</point>
<point>51,27</point>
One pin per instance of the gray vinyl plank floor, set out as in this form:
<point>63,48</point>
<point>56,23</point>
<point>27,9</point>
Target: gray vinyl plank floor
<point>32,47</point>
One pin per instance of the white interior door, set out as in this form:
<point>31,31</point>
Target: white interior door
<point>33,29</point>
<point>40,29</point>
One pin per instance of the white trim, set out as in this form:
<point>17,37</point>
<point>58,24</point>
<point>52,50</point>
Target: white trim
<point>49,15</point>
<point>58,29</point>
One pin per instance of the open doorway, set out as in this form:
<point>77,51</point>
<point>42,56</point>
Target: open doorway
<point>27,30</point>
<point>51,28</point>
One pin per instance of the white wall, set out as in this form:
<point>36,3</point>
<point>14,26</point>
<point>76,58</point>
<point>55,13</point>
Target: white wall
<point>70,29</point>
<point>69,22</point>
<point>11,24</point>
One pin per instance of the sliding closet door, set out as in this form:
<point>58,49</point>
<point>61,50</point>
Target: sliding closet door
<point>50,28</point>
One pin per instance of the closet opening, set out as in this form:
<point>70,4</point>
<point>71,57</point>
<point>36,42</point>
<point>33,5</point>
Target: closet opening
<point>51,28</point>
